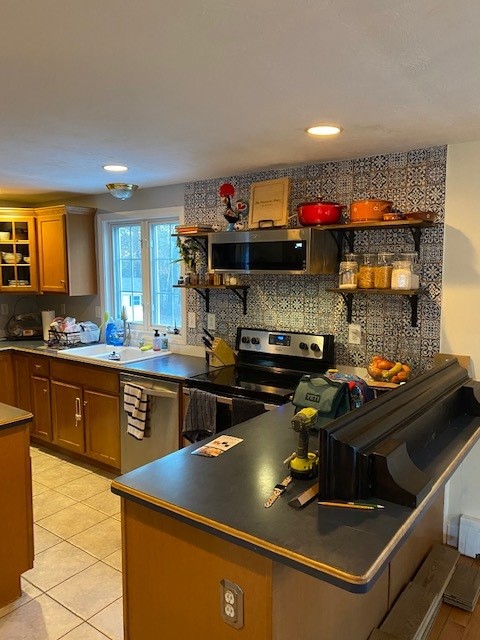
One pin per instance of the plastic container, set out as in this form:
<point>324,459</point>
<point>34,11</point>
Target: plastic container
<point>366,271</point>
<point>348,274</point>
<point>164,342</point>
<point>156,341</point>
<point>114,333</point>
<point>412,257</point>
<point>383,270</point>
<point>402,274</point>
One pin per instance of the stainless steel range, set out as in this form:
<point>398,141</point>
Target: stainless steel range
<point>269,365</point>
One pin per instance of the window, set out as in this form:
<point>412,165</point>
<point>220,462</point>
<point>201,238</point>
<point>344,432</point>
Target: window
<point>141,264</point>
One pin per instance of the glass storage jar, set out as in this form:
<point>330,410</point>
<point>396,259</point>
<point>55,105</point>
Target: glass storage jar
<point>402,274</point>
<point>383,270</point>
<point>348,274</point>
<point>412,257</point>
<point>366,271</point>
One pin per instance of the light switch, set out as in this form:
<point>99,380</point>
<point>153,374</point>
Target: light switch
<point>4,309</point>
<point>192,320</point>
<point>211,321</point>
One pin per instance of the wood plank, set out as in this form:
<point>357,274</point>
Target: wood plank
<point>464,587</point>
<point>452,631</point>
<point>438,568</point>
<point>412,613</point>
<point>381,635</point>
<point>440,622</point>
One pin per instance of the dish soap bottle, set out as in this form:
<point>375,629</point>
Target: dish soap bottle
<point>156,341</point>
<point>164,342</point>
<point>111,332</point>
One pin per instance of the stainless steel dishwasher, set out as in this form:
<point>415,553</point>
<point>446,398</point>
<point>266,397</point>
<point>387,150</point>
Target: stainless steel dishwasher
<point>164,423</point>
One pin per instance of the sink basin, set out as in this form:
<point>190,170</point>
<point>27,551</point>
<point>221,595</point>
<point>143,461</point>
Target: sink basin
<point>104,353</point>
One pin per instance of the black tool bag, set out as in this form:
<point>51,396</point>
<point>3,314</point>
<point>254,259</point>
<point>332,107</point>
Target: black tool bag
<point>329,397</point>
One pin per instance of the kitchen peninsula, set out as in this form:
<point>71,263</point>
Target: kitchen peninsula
<point>190,522</point>
<point>16,520</point>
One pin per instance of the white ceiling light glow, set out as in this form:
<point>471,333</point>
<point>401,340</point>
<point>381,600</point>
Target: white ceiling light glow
<point>115,167</point>
<point>324,130</point>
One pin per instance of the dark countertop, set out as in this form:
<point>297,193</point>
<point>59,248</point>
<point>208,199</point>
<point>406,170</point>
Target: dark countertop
<point>10,416</point>
<point>175,366</point>
<point>226,496</point>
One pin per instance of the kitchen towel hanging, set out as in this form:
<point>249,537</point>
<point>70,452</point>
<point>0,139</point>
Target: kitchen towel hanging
<point>243,409</point>
<point>47,319</point>
<point>200,417</point>
<point>135,404</point>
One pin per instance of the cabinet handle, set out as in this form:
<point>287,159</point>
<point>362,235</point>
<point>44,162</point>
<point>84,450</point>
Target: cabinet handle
<point>85,403</point>
<point>62,281</point>
<point>45,390</point>
<point>78,410</point>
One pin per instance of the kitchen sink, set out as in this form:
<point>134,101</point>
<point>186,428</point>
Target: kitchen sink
<point>111,354</point>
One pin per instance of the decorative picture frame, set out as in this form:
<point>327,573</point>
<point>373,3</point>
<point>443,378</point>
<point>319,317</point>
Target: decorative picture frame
<point>269,203</point>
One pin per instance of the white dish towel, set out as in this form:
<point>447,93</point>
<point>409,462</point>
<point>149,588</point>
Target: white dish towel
<point>135,404</point>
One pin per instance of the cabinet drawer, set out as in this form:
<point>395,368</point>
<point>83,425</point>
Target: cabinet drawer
<point>39,366</point>
<point>88,376</point>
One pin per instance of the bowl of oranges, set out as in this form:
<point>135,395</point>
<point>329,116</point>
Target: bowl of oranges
<point>386,370</point>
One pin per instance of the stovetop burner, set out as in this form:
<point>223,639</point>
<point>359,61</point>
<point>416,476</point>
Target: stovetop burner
<point>270,365</point>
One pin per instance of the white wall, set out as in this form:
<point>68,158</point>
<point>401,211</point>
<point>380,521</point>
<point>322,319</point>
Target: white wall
<point>460,320</point>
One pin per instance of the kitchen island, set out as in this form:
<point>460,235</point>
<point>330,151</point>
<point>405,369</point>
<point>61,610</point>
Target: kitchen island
<point>16,520</point>
<point>191,521</point>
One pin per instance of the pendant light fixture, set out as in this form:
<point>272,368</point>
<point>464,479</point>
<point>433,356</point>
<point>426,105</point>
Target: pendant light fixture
<point>121,190</point>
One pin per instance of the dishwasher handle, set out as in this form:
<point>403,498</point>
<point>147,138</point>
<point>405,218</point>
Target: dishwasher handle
<point>156,391</point>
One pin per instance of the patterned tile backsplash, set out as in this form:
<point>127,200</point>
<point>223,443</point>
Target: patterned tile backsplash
<point>414,181</point>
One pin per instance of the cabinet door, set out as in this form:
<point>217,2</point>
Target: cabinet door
<point>102,427</point>
<point>42,423</point>
<point>21,367</point>
<point>67,415</point>
<point>18,261</point>
<point>52,255</point>
<point>7,392</point>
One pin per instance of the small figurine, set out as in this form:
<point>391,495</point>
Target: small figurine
<point>226,192</point>
<point>238,226</point>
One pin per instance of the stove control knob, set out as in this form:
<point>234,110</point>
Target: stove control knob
<point>255,340</point>
<point>314,347</point>
<point>245,339</point>
<point>303,346</point>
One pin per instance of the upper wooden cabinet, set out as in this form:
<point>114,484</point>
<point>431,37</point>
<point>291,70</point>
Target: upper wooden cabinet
<point>66,250</point>
<point>18,247</point>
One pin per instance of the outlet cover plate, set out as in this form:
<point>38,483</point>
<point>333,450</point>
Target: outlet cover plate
<point>211,321</point>
<point>231,603</point>
<point>354,334</point>
<point>192,320</point>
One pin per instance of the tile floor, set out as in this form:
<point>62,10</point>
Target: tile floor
<point>74,590</point>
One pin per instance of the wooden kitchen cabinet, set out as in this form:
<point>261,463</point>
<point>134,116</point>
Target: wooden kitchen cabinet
<point>20,273</point>
<point>40,394</point>
<point>86,410</point>
<point>21,372</point>
<point>7,390</point>
<point>66,250</point>
<point>67,416</point>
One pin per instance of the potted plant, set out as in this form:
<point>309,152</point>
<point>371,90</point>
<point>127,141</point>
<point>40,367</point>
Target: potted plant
<point>188,250</point>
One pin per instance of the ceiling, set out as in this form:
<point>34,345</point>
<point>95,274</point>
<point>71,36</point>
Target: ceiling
<point>195,89</point>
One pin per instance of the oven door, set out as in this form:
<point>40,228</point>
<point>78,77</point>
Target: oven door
<point>235,409</point>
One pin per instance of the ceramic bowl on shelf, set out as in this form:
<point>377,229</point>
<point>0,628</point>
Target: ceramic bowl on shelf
<point>4,236</point>
<point>18,283</point>
<point>10,258</point>
<point>26,259</point>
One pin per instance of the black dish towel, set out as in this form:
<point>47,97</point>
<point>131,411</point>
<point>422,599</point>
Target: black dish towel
<point>200,417</point>
<point>243,409</point>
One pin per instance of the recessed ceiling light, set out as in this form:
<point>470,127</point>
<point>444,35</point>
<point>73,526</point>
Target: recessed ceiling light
<point>115,167</point>
<point>324,130</point>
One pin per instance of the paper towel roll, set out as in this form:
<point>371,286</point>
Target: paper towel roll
<point>47,318</point>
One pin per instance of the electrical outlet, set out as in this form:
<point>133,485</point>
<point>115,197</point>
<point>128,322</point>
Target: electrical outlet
<point>211,321</point>
<point>192,320</point>
<point>231,603</point>
<point>98,312</point>
<point>354,334</point>
<point>62,310</point>
<point>4,309</point>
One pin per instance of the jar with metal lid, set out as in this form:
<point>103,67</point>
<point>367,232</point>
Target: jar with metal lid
<point>402,274</point>
<point>412,257</point>
<point>348,274</point>
<point>366,271</point>
<point>383,270</point>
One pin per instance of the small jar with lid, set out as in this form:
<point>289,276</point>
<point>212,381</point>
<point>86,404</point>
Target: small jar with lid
<point>402,274</point>
<point>348,274</point>
<point>366,271</point>
<point>383,270</point>
<point>412,257</point>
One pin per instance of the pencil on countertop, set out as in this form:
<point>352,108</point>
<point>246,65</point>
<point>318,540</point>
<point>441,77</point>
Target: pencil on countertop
<point>352,505</point>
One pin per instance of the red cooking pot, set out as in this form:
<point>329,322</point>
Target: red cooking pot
<point>313,213</point>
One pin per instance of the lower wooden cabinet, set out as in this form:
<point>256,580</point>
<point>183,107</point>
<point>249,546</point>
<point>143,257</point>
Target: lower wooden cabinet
<point>102,430</point>
<point>40,395</point>
<point>67,416</point>
<point>7,390</point>
<point>21,368</point>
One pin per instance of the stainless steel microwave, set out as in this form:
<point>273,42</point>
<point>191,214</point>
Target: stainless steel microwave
<point>295,251</point>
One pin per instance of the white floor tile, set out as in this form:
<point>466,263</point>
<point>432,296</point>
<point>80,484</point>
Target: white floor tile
<point>58,564</point>
<point>29,592</point>
<point>110,620</point>
<point>39,619</point>
<point>72,520</point>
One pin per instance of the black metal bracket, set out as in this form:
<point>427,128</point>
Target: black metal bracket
<point>348,299</point>
<point>242,297</point>
<point>413,299</point>
<point>205,293</point>
<point>417,234</point>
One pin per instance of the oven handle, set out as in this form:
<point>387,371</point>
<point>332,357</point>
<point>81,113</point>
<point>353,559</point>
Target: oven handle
<point>228,401</point>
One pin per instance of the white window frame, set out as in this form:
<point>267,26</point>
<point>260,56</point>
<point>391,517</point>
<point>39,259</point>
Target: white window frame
<point>104,261</point>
